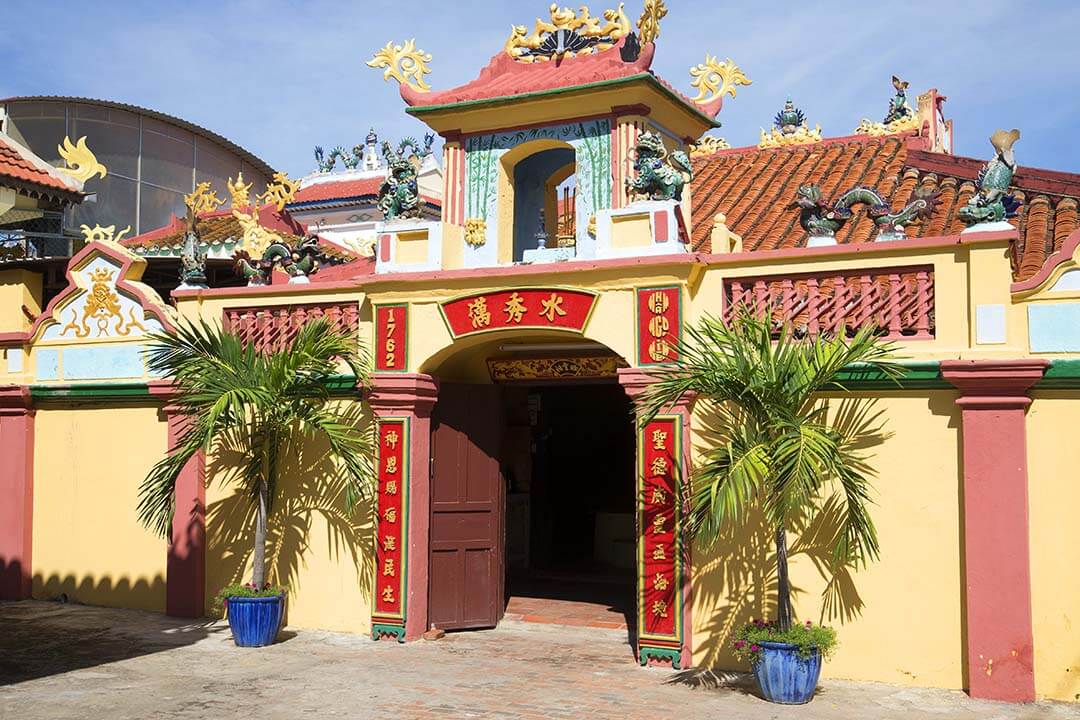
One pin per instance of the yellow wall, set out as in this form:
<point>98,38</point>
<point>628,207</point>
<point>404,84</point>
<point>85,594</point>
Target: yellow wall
<point>18,288</point>
<point>320,551</point>
<point>903,623</point>
<point>87,541</point>
<point>1053,497</point>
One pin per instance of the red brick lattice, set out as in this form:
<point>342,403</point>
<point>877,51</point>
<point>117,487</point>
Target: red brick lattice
<point>272,328</point>
<point>899,301</point>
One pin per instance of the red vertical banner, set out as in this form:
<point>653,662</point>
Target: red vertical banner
<point>390,338</point>
<point>659,546</point>
<point>391,525</point>
<point>659,324</point>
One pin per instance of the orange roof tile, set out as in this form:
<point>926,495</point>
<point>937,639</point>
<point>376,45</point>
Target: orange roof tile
<point>19,170</point>
<point>755,187</point>
<point>221,226</point>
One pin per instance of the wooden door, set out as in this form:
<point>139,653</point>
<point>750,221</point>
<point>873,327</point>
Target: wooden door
<point>466,580</point>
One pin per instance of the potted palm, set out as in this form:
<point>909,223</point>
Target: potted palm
<point>258,404</point>
<point>781,450</point>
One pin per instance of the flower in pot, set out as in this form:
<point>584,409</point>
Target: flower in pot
<point>783,451</point>
<point>786,663</point>
<point>257,406</point>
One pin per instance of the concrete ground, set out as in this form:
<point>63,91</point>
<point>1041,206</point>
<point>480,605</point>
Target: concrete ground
<point>70,661</point>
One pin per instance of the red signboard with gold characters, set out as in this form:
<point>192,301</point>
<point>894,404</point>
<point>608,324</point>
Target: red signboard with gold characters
<point>659,549</point>
<point>390,338</point>
<point>545,308</point>
<point>391,539</point>
<point>659,324</point>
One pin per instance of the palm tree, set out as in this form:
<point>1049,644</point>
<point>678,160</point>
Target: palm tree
<point>260,404</point>
<point>780,445</point>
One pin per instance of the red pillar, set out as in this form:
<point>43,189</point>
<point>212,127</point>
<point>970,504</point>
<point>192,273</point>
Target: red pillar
<point>16,491</point>
<point>634,381</point>
<point>997,575</point>
<point>413,396</point>
<point>185,571</point>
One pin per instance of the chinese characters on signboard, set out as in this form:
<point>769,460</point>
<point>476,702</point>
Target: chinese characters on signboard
<point>390,337</point>
<point>547,308</point>
<point>390,550</point>
<point>659,596</point>
<point>659,320</point>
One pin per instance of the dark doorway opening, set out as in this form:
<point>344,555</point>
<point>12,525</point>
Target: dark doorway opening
<point>568,460</point>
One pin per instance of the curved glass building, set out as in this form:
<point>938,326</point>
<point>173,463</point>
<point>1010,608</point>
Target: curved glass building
<point>153,159</point>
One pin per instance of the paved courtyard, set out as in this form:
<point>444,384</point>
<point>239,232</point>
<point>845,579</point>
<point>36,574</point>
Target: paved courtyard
<point>69,661</point>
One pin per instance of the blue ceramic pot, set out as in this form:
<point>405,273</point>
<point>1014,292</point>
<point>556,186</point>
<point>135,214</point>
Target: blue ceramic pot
<point>255,621</point>
<point>783,676</point>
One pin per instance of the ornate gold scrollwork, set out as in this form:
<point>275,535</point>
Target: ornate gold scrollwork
<point>240,193</point>
<point>649,22</point>
<point>101,234</point>
<point>581,33</point>
<point>475,231</point>
<point>255,238</point>
<point>707,145</point>
<point>82,163</point>
<point>714,79</point>
<point>280,191</point>
<point>405,63</point>
<point>875,129</point>
<point>802,135</point>
<point>202,199</point>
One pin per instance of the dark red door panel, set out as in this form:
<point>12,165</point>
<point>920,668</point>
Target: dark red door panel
<point>466,565</point>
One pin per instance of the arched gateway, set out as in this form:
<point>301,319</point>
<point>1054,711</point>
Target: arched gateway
<point>528,476</point>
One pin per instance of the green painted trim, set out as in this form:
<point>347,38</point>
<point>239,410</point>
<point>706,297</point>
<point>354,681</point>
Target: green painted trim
<point>337,385</point>
<point>919,375</point>
<point>649,77</point>
<point>92,391</point>
<point>645,652</point>
<point>1063,374</point>
<point>342,385</point>
<point>380,630</point>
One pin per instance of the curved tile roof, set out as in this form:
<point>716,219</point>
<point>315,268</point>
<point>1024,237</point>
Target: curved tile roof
<point>246,155</point>
<point>22,170</point>
<point>754,188</point>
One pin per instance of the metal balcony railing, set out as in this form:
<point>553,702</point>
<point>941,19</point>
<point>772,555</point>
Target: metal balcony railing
<point>26,245</point>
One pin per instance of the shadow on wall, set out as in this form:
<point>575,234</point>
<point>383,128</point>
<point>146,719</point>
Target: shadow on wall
<point>735,576</point>
<point>138,594</point>
<point>312,497</point>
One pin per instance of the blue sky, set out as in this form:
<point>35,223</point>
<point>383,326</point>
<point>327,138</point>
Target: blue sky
<point>281,77</point>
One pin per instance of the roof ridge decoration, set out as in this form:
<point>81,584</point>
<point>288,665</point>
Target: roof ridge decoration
<point>708,145</point>
<point>901,117</point>
<point>570,34</point>
<point>399,195</point>
<point>789,128</point>
<point>193,254</point>
<point>993,203</point>
<point>648,24</point>
<point>106,235</point>
<point>280,191</point>
<point>713,79</point>
<point>405,63</point>
<point>202,199</point>
<point>821,219</point>
<point>658,175</point>
<point>240,193</point>
<point>81,163</point>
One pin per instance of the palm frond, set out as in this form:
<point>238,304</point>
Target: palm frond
<point>252,402</point>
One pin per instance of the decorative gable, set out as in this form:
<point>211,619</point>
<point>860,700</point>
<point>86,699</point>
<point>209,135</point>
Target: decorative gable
<point>95,329</point>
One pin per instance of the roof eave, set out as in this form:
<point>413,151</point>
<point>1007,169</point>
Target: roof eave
<point>421,110</point>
